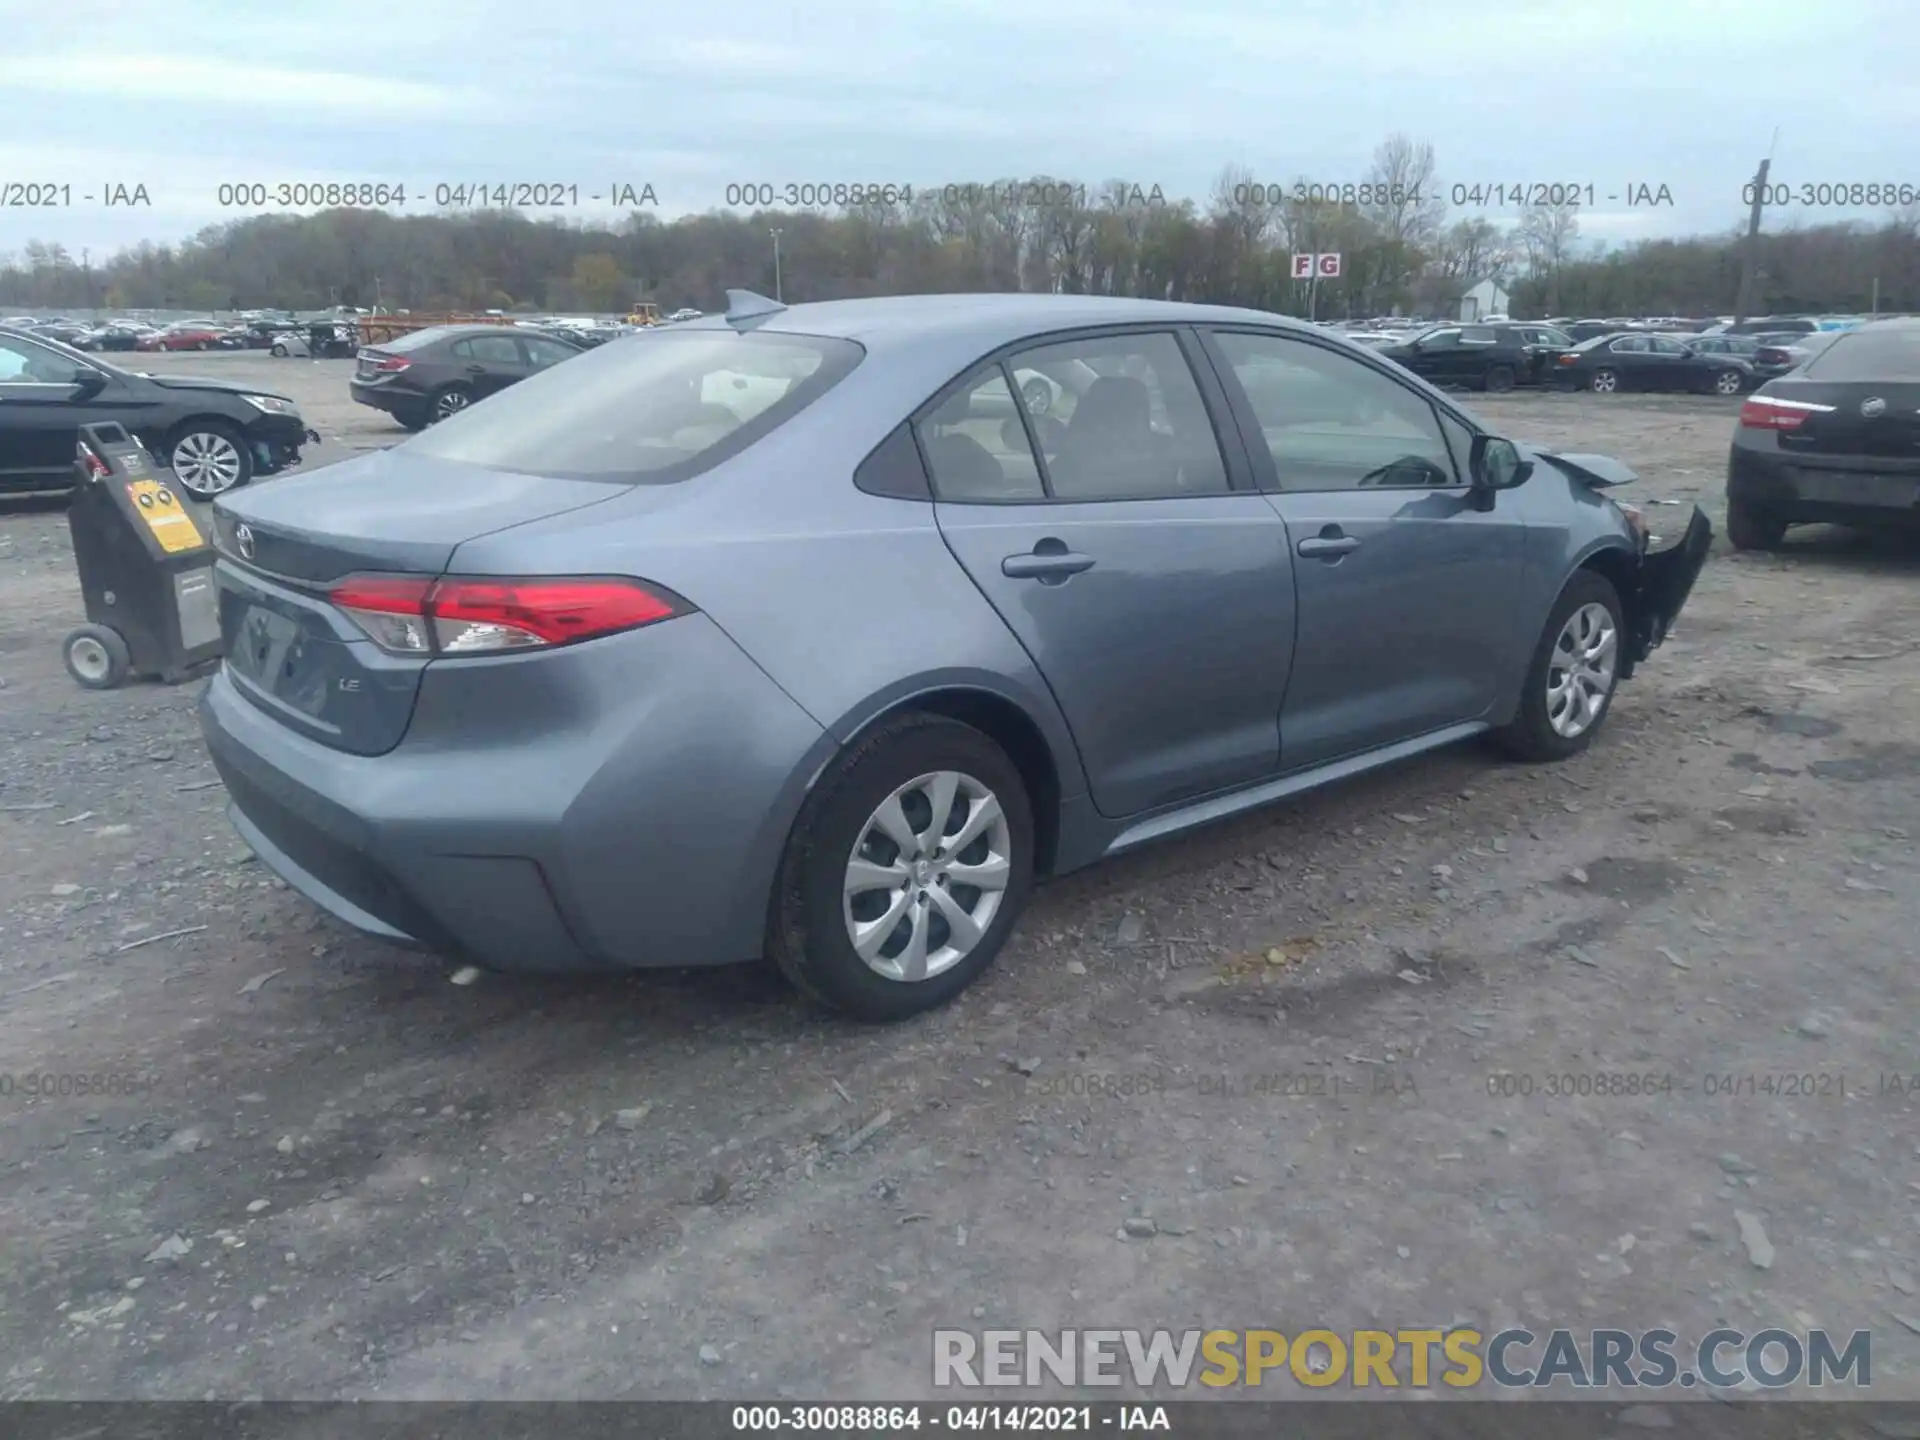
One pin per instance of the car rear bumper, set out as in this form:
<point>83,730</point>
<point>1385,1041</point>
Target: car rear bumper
<point>380,397</point>
<point>570,817</point>
<point>1846,490</point>
<point>1662,585</point>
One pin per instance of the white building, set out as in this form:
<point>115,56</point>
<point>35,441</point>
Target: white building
<point>1483,299</point>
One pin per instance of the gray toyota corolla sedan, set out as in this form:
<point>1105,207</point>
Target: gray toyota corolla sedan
<point>810,632</point>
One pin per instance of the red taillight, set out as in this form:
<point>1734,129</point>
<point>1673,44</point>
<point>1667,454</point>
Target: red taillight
<point>1767,355</point>
<point>475,616</point>
<point>1569,360</point>
<point>1770,412</point>
<point>393,362</point>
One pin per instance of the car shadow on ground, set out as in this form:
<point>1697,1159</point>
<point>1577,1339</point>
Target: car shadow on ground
<point>1894,551</point>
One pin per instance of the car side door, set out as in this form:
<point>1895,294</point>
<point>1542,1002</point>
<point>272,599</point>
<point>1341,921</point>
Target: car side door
<point>42,407</point>
<point>1406,578</point>
<point>1673,366</point>
<point>1439,358</point>
<point>488,363</point>
<point>1131,555</point>
<point>1627,357</point>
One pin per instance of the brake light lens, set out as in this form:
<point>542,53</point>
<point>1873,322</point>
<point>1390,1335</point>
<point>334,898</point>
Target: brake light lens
<point>1770,412</point>
<point>407,615</point>
<point>393,363</point>
<point>1569,359</point>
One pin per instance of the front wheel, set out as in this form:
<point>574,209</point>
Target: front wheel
<point>1751,528</point>
<point>209,458</point>
<point>1570,681</point>
<point>1606,381</point>
<point>905,872</point>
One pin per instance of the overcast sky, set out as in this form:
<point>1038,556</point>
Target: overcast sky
<point>182,96</point>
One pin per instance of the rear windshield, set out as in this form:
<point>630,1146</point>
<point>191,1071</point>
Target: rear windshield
<point>1889,354</point>
<point>649,409</point>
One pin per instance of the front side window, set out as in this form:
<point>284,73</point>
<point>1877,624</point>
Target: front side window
<point>24,363</point>
<point>645,410</point>
<point>1332,422</point>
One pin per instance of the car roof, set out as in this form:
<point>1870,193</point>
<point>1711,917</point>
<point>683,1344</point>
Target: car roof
<point>978,323</point>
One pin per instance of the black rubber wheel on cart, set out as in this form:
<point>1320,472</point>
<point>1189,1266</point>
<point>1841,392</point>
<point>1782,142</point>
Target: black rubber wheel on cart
<point>97,657</point>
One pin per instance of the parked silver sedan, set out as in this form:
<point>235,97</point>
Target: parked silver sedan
<point>795,633</point>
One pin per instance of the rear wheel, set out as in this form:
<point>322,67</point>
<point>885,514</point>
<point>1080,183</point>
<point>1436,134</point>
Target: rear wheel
<point>1570,683</point>
<point>1606,381</point>
<point>209,458</point>
<point>280,350</point>
<point>905,872</point>
<point>448,400</point>
<point>202,345</point>
<point>1500,379</point>
<point>1751,528</point>
<point>412,419</point>
<point>97,657</point>
<point>1728,382</point>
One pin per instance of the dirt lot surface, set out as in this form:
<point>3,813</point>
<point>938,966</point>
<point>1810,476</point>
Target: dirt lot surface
<point>1260,1058</point>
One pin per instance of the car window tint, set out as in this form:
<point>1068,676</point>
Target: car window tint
<point>1667,347</point>
<point>546,352</point>
<point>1888,354</point>
<point>1630,345</point>
<point>1477,335</point>
<point>1332,422</point>
<point>487,350</point>
<point>653,412</point>
<point>24,363</point>
<point>976,446</point>
<point>1439,339</point>
<point>1127,421</point>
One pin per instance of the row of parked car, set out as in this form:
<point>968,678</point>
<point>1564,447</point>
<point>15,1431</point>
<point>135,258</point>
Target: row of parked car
<point>1726,358</point>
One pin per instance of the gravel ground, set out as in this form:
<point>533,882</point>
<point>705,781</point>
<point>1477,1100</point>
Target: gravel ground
<point>372,1182</point>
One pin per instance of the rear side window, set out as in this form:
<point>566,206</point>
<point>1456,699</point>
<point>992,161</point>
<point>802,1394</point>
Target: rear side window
<point>649,409</point>
<point>487,349</point>
<point>1892,354</point>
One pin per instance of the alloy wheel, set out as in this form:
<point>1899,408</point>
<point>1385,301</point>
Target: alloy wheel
<point>1727,382</point>
<point>927,876</point>
<point>1605,381</point>
<point>207,463</point>
<point>1581,671</point>
<point>451,403</point>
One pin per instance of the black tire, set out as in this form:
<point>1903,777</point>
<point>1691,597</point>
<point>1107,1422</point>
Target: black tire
<point>412,419</point>
<point>1530,734</point>
<point>280,352</point>
<point>448,400</point>
<point>210,427</point>
<point>96,657</point>
<point>1751,528</point>
<point>202,345</point>
<point>807,930</point>
<point>1728,382</point>
<point>1500,379</point>
<point>1605,380</point>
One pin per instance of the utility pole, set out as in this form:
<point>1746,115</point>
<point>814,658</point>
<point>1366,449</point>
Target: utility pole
<point>776,267</point>
<point>1750,259</point>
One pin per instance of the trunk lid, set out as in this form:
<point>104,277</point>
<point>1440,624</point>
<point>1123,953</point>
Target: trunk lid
<point>288,649</point>
<point>1870,423</point>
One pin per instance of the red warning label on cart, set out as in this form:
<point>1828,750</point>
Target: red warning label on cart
<point>165,516</point>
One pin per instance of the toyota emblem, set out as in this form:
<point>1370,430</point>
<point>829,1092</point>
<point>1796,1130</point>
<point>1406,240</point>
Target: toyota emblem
<point>1873,407</point>
<point>243,537</point>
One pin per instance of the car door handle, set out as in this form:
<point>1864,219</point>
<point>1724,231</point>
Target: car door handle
<point>476,369</point>
<point>1328,547</point>
<point>1045,565</point>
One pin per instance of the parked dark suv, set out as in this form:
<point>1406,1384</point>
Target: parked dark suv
<point>1476,357</point>
<point>434,373</point>
<point>216,435</point>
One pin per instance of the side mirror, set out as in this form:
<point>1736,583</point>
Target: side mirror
<point>87,384</point>
<point>1495,464</point>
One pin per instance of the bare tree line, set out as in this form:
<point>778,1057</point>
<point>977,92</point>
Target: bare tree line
<point>1404,251</point>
